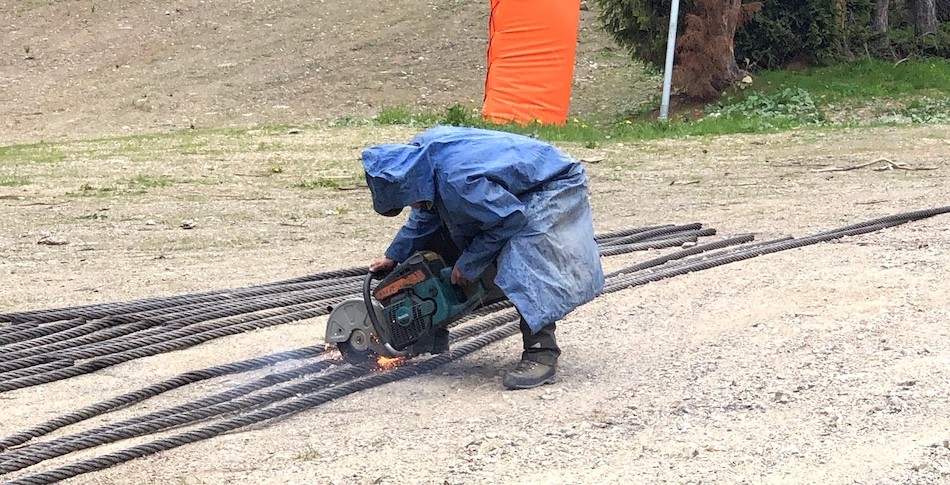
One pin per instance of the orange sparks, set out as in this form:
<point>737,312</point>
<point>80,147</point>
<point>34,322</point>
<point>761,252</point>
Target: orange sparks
<point>389,363</point>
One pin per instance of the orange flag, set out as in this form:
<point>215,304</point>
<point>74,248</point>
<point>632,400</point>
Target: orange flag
<point>531,50</point>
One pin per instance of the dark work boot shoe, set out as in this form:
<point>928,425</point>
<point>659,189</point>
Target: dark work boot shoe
<point>440,341</point>
<point>528,374</point>
<point>538,360</point>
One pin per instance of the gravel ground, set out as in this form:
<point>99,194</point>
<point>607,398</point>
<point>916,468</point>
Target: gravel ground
<point>825,364</point>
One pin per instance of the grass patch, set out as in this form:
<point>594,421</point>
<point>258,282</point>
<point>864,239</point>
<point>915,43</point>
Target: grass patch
<point>33,153</point>
<point>866,92</point>
<point>14,181</point>
<point>344,182</point>
<point>863,79</point>
<point>136,186</point>
<point>148,182</point>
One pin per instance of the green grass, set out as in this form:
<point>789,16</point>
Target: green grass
<point>13,181</point>
<point>33,153</point>
<point>148,182</point>
<point>330,183</point>
<point>136,186</point>
<point>915,91</point>
<point>863,79</point>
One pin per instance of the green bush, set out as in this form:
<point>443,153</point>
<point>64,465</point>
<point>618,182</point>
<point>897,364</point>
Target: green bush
<point>641,26</point>
<point>783,33</point>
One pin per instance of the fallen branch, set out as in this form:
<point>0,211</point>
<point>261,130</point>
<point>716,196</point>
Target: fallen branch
<point>888,165</point>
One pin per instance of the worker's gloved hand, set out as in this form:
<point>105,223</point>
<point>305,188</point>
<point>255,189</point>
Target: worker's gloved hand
<point>381,265</point>
<point>457,278</point>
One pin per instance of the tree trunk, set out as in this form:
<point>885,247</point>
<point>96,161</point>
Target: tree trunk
<point>925,17</point>
<point>880,16</point>
<point>943,10</point>
<point>729,21</point>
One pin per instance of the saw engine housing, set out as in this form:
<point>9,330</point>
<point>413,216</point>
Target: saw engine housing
<point>402,314</point>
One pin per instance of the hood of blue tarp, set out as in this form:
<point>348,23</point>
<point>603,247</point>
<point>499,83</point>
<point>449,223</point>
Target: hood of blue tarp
<point>398,175</point>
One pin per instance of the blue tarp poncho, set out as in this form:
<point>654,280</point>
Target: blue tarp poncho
<point>503,198</point>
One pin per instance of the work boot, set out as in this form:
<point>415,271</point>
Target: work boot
<point>538,360</point>
<point>440,341</point>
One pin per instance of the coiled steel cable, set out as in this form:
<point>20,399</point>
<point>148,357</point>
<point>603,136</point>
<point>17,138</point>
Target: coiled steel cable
<point>304,310</point>
<point>184,414</point>
<point>162,346</point>
<point>199,375</point>
<point>102,310</point>
<point>283,410</point>
<point>741,254</point>
<point>604,237</point>
<point>652,233</point>
<point>741,239</point>
<point>659,243</point>
<point>625,282</point>
<point>153,390</point>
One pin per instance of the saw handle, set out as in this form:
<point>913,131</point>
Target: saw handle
<point>368,298</point>
<point>465,303</point>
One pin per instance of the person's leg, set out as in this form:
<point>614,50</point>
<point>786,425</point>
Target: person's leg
<point>538,359</point>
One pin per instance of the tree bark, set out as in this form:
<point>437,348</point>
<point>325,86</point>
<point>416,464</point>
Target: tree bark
<point>943,10</point>
<point>880,16</point>
<point>728,25</point>
<point>925,17</point>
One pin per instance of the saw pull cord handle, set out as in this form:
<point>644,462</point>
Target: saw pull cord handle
<point>371,310</point>
<point>368,300</point>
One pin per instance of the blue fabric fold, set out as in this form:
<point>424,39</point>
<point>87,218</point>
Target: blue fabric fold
<point>504,198</point>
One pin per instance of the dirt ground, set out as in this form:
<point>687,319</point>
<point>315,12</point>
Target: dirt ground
<point>825,364</point>
<point>87,68</point>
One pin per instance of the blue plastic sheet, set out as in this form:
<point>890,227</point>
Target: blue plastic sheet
<point>504,198</point>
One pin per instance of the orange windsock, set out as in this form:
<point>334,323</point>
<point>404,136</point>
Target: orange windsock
<point>531,50</point>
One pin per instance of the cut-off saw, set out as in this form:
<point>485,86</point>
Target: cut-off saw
<point>401,316</point>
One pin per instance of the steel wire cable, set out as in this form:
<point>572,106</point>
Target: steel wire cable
<point>44,367</point>
<point>355,272</point>
<point>137,396</point>
<point>626,281</point>
<point>159,347</point>
<point>741,254</point>
<point>658,243</point>
<point>626,232</point>
<point>194,376</point>
<point>282,410</point>
<point>32,454</point>
<point>64,329</point>
<point>100,337</point>
<point>25,333</point>
<point>103,343</point>
<point>101,310</point>
<point>765,248</point>
<point>309,309</point>
<point>196,325</point>
<point>653,233</point>
<point>650,263</point>
<point>199,375</point>
<point>203,409</point>
<point>902,217</point>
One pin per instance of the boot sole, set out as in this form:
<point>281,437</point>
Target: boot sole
<point>517,387</point>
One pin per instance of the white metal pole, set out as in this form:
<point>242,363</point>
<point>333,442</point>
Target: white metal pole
<point>668,70</point>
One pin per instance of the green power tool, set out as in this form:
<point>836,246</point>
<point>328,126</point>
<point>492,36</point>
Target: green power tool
<point>399,318</point>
